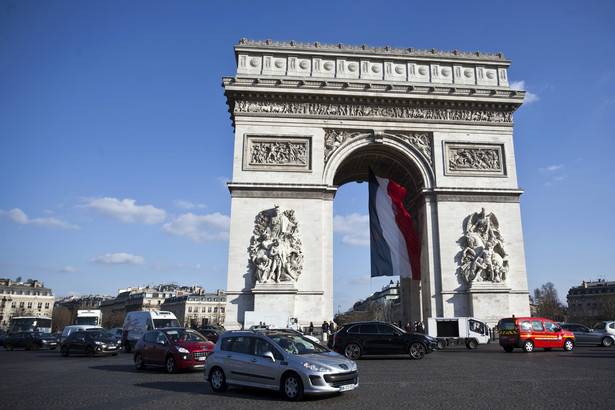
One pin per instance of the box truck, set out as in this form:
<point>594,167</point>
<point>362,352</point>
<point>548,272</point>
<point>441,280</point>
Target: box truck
<point>91,317</point>
<point>458,330</point>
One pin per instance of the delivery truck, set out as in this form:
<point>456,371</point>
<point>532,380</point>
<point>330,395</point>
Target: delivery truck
<point>467,331</point>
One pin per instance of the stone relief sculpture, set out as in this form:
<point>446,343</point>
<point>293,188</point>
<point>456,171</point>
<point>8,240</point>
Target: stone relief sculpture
<point>365,110</point>
<point>483,257</point>
<point>474,159</point>
<point>278,152</point>
<point>275,249</point>
<point>335,138</point>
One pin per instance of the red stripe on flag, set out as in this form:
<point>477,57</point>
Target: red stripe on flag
<point>404,222</point>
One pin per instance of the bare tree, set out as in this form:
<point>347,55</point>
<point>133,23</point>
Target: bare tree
<point>548,304</point>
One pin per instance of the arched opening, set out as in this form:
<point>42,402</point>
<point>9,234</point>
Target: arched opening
<point>351,252</point>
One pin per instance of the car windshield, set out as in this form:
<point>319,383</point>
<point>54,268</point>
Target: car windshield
<point>159,323</point>
<point>185,335</point>
<point>98,334</point>
<point>507,325</point>
<point>296,344</point>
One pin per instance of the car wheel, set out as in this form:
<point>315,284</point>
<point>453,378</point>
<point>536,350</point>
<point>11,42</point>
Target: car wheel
<point>352,351</point>
<point>568,345</point>
<point>528,346</point>
<point>171,365</point>
<point>89,351</point>
<point>8,347</point>
<point>64,351</point>
<point>34,347</point>
<point>508,349</point>
<point>417,350</point>
<point>441,344</point>
<point>217,380</point>
<point>607,342</point>
<point>139,362</point>
<point>472,344</point>
<point>292,387</point>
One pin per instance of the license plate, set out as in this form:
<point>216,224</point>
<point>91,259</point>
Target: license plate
<point>111,347</point>
<point>200,359</point>
<point>347,387</point>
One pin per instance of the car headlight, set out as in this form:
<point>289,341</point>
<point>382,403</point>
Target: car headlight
<point>316,367</point>
<point>182,349</point>
<point>96,342</point>
<point>353,367</point>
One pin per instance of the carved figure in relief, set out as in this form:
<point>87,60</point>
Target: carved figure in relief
<point>275,249</point>
<point>483,257</point>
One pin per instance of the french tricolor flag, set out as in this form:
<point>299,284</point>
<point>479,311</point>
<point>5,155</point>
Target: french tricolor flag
<point>395,246</point>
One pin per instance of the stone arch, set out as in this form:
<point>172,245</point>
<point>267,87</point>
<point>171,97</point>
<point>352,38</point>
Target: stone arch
<point>309,118</point>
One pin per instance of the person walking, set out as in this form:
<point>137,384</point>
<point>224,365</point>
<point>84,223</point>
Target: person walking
<point>311,329</point>
<point>325,330</point>
<point>331,327</point>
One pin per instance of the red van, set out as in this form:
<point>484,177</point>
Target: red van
<point>531,332</point>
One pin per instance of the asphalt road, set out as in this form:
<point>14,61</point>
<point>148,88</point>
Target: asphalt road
<point>485,378</point>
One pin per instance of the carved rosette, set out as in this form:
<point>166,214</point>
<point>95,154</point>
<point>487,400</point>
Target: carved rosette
<point>483,258</point>
<point>276,254</point>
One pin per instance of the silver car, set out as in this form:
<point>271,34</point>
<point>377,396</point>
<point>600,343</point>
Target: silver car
<point>583,335</point>
<point>278,360</point>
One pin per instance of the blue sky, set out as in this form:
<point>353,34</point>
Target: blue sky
<point>116,143</point>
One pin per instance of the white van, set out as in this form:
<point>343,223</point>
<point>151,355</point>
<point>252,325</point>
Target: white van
<point>137,323</point>
<point>75,328</point>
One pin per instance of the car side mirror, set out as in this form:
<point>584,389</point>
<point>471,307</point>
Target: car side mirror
<point>162,342</point>
<point>269,355</point>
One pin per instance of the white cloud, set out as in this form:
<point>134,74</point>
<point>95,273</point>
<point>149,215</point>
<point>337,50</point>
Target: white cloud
<point>551,168</point>
<point>119,259</point>
<point>187,205</point>
<point>200,228</point>
<point>126,210</point>
<point>529,96</point>
<point>354,226</point>
<point>18,216</point>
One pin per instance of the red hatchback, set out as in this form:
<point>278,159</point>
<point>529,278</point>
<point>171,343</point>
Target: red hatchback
<point>531,332</point>
<point>173,348</point>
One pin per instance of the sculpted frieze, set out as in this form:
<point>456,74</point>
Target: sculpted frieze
<point>277,152</point>
<point>377,111</point>
<point>483,258</point>
<point>275,249</point>
<point>473,159</point>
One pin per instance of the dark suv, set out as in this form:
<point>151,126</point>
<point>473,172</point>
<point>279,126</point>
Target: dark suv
<point>356,339</point>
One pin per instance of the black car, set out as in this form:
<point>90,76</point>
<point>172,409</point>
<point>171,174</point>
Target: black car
<point>211,334</point>
<point>356,339</point>
<point>31,341</point>
<point>90,342</point>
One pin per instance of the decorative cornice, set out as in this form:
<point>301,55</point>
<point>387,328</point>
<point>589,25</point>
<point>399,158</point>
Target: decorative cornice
<point>290,191</point>
<point>387,50</point>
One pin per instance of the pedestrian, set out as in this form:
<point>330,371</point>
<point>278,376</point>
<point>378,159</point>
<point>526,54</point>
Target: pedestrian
<point>311,328</point>
<point>408,327</point>
<point>325,328</point>
<point>421,327</point>
<point>331,327</point>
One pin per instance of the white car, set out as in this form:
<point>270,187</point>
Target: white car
<point>278,360</point>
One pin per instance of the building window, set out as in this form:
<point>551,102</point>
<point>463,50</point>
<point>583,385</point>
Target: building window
<point>40,305</point>
<point>203,309</point>
<point>46,305</point>
<point>221,310</point>
<point>14,304</point>
<point>190,309</point>
<point>29,305</point>
<point>215,310</point>
<point>209,309</point>
<point>21,304</point>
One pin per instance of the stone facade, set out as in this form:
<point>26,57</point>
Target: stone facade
<point>198,310</point>
<point>30,298</point>
<point>311,117</point>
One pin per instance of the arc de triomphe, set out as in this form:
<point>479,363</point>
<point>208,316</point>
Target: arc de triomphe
<point>309,118</point>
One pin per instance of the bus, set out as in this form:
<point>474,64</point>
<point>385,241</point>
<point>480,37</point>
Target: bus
<point>29,323</point>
